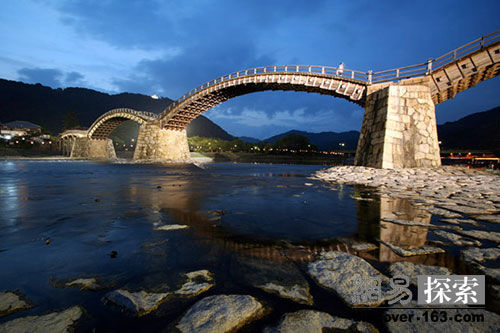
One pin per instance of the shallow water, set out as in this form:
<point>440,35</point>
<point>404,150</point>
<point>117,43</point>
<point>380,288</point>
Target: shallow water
<point>241,218</point>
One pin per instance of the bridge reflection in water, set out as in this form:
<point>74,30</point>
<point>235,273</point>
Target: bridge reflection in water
<point>183,202</point>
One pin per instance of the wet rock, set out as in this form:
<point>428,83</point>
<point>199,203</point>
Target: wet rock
<point>11,302</point>
<point>412,270</point>
<point>460,221</point>
<point>139,303</point>
<point>456,239</point>
<point>481,209</point>
<point>283,279</point>
<point>217,212</point>
<point>312,321</point>
<point>442,212</point>
<point>169,227</point>
<point>412,252</point>
<point>53,322</point>
<point>490,324</point>
<point>415,223</point>
<point>296,293</point>
<point>82,283</point>
<point>487,218</point>
<point>113,254</point>
<point>198,282</point>
<point>480,255</point>
<point>358,245</point>
<point>220,313</point>
<point>341,272</point>
<point>481,234</point>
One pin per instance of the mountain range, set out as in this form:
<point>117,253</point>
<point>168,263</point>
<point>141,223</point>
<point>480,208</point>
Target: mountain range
<point>48,107</point>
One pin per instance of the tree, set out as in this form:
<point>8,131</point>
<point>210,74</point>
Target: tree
<point>70,120</point>
<point>296,142</point>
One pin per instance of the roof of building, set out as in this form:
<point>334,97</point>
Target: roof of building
<point>22,124</point>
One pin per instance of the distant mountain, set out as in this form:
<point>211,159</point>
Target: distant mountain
<point>325,140</point>
<point>248,139</point>
<point>204,127</point>
<point>479,130</point>
<point>47,107</point>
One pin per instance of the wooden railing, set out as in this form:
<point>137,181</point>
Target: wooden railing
<point>369,77</point>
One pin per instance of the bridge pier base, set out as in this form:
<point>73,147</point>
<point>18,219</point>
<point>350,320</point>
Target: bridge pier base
<point>399,127</point>
<point>85,148</point>
<point>158,144</point>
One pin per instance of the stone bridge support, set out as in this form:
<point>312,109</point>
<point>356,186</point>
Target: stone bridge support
<point>157,144</point>
<point>85,148</point>
<point>399,127</point>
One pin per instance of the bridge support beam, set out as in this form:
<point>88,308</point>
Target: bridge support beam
<point>399,127</point>
<point>157,144</point>
<point>93,149</point>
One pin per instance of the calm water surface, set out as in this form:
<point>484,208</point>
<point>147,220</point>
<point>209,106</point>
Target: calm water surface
<point>236,213</point>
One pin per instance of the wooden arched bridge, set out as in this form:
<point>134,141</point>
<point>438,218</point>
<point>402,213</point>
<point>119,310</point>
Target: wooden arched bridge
<point>399,126</point>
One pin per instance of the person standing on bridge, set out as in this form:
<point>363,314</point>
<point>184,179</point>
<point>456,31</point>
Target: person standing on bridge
<point>340,70</point>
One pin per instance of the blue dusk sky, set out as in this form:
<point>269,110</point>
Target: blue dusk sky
<point>169,47</point>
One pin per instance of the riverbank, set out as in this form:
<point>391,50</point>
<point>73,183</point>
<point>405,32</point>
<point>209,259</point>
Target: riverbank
<point>242,157</point>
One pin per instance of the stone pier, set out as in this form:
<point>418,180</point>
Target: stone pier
<point>399,127</point>
<point>157,144</point>
<point>85,148</point>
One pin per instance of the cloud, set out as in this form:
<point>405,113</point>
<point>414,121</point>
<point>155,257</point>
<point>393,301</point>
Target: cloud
<point>47,76</point>
<point>262,124</point>
<point>74,78</point>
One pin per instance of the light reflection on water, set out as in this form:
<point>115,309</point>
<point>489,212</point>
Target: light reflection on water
<point>234,212</point>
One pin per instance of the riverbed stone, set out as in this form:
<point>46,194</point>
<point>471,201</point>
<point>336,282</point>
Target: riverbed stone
<point>63,321</point>
<point>197,282</point>
<point>220,313</point>
<point>139,303</point>
<point>413,251</point>
<point>283,278</point>
<point>342,272</point>
<point>412,270</point>
<point>480,255</point>
<point>169,227</point>
<point>11,302</point>
<point>313,321</point>
<point>492,236</point>
<point>84,284</point>
<point>457,239</point>
<point>487,218</point>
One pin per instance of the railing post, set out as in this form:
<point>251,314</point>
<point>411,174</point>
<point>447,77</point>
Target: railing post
<point>370,74</point>
<point>352,74</point>
<point>482,42</point>
<point>429,66</point>
<point>297,68</point>
<point>397,73</point>
<point>323,70</point>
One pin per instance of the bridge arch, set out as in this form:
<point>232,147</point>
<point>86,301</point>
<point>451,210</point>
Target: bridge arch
<point>106,123</point>
<point>337,82</point>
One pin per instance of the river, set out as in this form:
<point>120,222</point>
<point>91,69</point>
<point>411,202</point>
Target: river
<point>244,223</point>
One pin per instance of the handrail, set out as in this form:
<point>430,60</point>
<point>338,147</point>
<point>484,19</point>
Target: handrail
<point>369,77</point>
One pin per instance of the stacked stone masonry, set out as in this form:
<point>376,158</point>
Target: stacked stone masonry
<point>155,143</point>
<point>399,128</point>
<point>86,148</point>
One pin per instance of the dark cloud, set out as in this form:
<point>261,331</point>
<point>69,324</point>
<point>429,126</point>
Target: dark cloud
<point>74,78</point>
<point>214,38</point>
<point>47,76</point>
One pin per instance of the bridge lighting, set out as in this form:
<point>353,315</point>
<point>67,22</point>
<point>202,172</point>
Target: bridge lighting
<point>8,137</point>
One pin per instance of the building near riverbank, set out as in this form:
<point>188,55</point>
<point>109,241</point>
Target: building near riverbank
<point>19,128</point>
